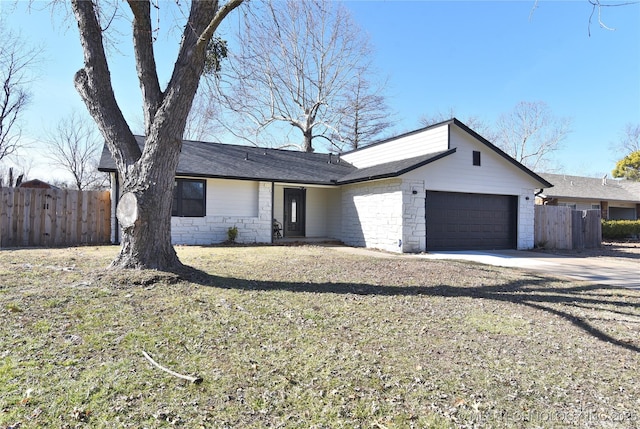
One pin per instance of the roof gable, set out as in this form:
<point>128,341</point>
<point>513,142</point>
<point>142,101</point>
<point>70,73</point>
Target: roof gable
<point>501,153</point>
<point>426,139</point>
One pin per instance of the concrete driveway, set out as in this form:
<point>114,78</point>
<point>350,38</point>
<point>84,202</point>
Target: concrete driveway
<point>623,271</point>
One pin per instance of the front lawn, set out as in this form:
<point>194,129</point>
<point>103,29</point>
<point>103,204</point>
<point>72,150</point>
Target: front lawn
<point>309,337</point>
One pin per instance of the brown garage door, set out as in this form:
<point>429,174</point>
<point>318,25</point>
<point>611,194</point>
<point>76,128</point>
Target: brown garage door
<point>459,221</point>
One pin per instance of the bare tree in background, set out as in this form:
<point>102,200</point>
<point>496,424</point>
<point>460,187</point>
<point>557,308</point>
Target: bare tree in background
<point>75,145</point>
<point>147,173</point>
<point>474,122</point>
<point>297,65</point>
<point>365,116</point>
<point>17,63</point>
<point>629,140</point>
<point>202,123</point>
<point>596,9</point>
<point>530,133</point>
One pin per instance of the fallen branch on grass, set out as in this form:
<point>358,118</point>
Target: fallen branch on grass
<point>194,380</point>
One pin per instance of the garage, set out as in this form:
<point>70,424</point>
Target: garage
<point>463,221</point>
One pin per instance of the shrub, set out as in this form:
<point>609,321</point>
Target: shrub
<point>616,229</point>
<point>232,234</point>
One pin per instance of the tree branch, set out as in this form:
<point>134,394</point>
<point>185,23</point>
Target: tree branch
<point>194,380</point>
<point>222,13</point>
<point>145,60</point>
<point>97,92</point>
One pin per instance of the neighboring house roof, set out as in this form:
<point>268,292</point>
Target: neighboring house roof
<point>36,184</point>
<point>565,186</point>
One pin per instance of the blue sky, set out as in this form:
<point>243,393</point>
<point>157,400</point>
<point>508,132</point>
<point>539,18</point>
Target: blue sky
<point>478,58</point>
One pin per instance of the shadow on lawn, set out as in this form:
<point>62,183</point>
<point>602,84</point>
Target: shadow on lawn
<point>534,293</point>
<point>626,250</point>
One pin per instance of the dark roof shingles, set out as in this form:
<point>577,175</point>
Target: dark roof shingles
<point>202,159</point>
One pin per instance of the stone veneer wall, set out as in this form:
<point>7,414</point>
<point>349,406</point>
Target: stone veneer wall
<point>526,221</point>
<point>414,224</point>
<point>213,229</point>
<point>372,215</point>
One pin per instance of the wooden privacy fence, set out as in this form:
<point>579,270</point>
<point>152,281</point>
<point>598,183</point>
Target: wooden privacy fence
<point>559,227</point>
<point>54,217</point>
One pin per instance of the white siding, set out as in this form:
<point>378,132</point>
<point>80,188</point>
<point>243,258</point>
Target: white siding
<point>316,213</point>
<point>278,203</point>
<point>115,198</point>
<point>456,172</point>
<point>409,146</point>
<point>232,198</point>
<point>245,205</point>
<point>495,175</point>
<point>323,211</point>
<point>334,213</point>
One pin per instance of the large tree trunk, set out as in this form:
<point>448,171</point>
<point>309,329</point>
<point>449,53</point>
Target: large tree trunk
<point>147,242</point>
<point>147,173</point>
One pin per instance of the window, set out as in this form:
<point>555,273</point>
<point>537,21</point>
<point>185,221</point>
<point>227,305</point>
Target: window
<point>476,157</point>
<point>572,206</point>
<point>595,206</point>
<point>189,198</point>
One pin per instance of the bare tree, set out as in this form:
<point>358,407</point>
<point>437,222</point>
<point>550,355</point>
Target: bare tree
<point>596,9</point>
<point>530,133</point>
<point>629,139</point>
<point>365,115</point>
<point>146,173</point>
<point>296,68</point>
<point>75,145</point>
<point>476,123</point>
<point>17,63</point>
<point>202,123</point>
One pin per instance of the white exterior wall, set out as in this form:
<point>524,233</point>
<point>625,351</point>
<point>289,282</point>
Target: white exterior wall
<point>322,210</point>
<point>316,212</point>
<point>232,198</point>
<point>526,219</point>
<point>372,215</point>
<point>244,204</point>
<point>115,198</point>
<point>334,214</point>
<point>414,227</point>
<point>495,175</point>
<point>278,203</point>
<point>409,146</point>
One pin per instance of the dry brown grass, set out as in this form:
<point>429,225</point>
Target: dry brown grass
<point>310,337</point>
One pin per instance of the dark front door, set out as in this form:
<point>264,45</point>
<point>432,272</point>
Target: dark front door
<point>294,210</point>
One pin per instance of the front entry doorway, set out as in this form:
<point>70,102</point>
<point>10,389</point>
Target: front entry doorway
<point>294,212</point>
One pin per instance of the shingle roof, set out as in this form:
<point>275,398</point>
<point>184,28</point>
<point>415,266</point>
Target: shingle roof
<point>217,160</point>
<point>392,169</point>
<point>565,186</point>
